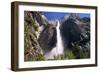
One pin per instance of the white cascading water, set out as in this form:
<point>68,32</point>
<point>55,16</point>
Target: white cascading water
<point>58,50</point>
<point>59,44</point>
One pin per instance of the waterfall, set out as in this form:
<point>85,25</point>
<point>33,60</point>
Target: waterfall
<point>58,49</point>
<point>59,44</point>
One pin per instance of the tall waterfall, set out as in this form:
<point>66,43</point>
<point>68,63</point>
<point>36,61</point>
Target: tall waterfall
<point>58,49</point>
<point>59,45</point>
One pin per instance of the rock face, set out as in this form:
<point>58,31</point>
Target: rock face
<point>47,38</point>
<point>33,51</point>
<point>40,36</point>
<point>72,31</point>
<point>76,35</point>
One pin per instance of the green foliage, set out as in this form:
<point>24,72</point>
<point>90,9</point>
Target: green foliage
<point>77,52</point>
<point>34,25</point>
<point>59,57</point>
<point>31,57</point>
<point>40,57</point>
<point>69,54</point>
<point>81,53</point>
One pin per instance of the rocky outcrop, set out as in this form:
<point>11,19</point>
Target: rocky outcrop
<point>70,31</point>
<point>33,51</point>
<point>76,35</point>
<point>48,38</point>
<point>39,35</point>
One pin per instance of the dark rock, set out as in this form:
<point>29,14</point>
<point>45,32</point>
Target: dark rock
<point>48,38</point>
<point>70,31</point>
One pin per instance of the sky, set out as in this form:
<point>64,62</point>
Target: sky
<point>58,15</point>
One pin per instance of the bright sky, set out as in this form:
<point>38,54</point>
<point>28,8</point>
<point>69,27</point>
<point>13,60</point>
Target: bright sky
<point>58,15</point>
